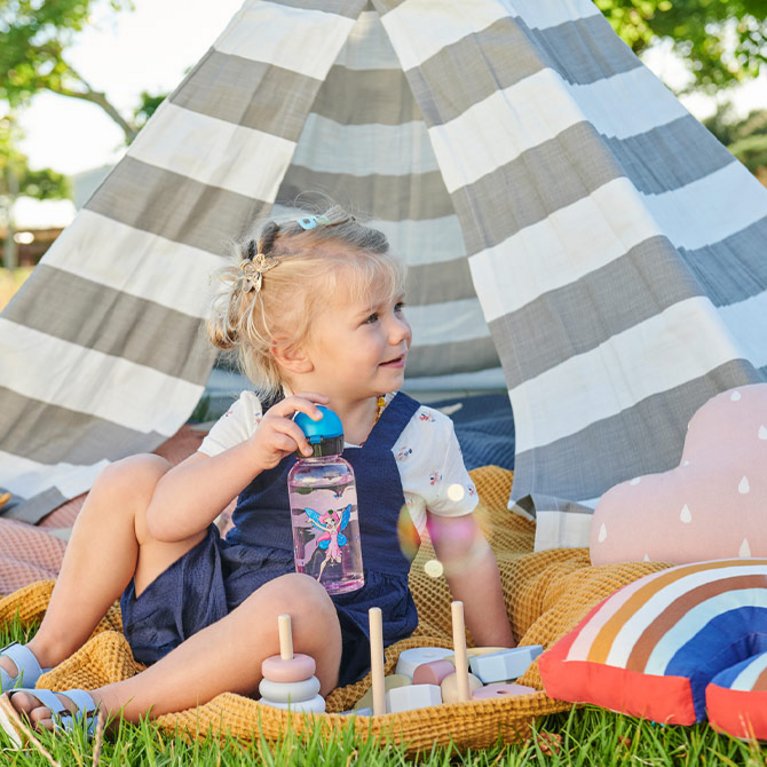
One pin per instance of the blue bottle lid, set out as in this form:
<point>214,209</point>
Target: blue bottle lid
<point>326,435</point>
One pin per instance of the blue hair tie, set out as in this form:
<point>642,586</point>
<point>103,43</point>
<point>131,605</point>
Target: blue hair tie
<point>312,222</point>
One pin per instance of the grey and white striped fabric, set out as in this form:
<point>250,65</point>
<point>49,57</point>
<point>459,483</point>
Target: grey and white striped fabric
<point>617,248</point>
<point>614,245</point>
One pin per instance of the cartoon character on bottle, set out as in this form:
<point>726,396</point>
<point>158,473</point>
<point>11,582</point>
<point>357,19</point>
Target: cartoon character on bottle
<point>331,523</point>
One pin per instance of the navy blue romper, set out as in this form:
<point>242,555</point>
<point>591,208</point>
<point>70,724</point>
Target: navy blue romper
<point>217,575</point>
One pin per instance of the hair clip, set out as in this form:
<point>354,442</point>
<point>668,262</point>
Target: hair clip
<point>253,270</point>
<point>312,222</point>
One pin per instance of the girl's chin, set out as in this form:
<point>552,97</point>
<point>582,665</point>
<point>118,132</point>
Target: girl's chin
<point>393,373</point>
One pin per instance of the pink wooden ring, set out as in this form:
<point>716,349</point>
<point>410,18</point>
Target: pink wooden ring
<point>299,667</point>
<point>502,691</point>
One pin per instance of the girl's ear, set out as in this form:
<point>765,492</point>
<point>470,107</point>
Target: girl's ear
<point>291,357</point>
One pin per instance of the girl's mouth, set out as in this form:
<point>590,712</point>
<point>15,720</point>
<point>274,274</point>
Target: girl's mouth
<point>397,362</point>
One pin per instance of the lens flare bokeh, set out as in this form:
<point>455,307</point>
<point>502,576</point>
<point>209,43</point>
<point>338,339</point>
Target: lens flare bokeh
<point>409,540</point>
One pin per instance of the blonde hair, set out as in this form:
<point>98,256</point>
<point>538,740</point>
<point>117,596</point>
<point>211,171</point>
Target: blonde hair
<point>304,265</point>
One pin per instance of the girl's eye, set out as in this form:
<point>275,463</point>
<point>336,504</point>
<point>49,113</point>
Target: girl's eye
<point>399,307</point>
<point>372,318</point>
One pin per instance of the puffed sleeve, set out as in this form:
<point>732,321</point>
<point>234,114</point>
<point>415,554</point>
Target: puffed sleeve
<point>434,477</point>
<point>235,426</point>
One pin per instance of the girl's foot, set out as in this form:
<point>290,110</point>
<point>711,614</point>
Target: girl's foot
<point>32,708</point>
<point>47,710</point>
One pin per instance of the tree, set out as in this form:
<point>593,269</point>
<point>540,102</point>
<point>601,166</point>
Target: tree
<point>723,42</point>
<point>17,179</point>
<point>746,138</point>
<point>34,37</point>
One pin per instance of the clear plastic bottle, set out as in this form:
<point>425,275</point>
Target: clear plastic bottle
<point>323,508</point>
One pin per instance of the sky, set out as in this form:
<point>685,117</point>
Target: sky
<point>150,49</point>
<point>122,54</point>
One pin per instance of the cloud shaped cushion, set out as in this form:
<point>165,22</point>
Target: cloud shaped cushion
<point>713,505</point>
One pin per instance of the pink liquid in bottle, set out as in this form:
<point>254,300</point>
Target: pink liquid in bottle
<point>323,509</point>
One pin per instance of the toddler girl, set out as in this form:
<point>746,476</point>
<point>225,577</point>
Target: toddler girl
<point>314,308</point>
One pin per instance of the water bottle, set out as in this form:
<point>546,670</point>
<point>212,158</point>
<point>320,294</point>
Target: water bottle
<point>323,508</point>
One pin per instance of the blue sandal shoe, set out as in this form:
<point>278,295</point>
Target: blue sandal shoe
<point>28,669</point>
<point>64,720</point>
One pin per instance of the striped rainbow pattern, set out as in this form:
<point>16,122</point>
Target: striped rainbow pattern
<point>750,674</point>
<point>736,699</point>
<point>651,648</point>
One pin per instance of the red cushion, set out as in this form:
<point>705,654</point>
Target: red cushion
<point>652,647</point>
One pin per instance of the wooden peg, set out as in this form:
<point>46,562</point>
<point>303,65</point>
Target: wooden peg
<point>286,636</point>
<point>459,647</point>
<point>377,661</point>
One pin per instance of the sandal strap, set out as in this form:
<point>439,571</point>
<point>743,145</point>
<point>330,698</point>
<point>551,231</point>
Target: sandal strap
<point>47,698</point>
<point>87,711</point>
<point>27,665</point>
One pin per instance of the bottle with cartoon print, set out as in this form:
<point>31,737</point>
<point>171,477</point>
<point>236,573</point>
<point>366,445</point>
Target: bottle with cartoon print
<point>323,508</point>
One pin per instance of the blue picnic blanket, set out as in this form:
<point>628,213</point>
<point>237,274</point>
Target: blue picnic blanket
<point>484,425</point>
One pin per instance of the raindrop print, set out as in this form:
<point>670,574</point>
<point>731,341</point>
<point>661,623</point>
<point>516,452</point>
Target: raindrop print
<point>685,515</point>
<point>743,486</point>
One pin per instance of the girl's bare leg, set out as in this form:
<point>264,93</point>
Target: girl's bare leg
<point>109,545</point>
<point>224,657</point>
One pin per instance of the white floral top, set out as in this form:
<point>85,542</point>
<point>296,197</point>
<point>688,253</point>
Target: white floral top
<point>428,457</point>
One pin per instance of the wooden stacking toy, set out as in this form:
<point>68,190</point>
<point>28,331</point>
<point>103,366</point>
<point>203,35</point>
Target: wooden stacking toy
<point>464,693</point>
<point>413,696</point>
<point>428,676</point>
<point>433,672</point>
<point>288,679</point>
<point>410,660</point>
<point>399,698</point>
<point>449,687</point>
<point>507,690</point>
<point>377,661</point>
<point>504,665</point>
<point>472,651</point>
<point>390,682</point>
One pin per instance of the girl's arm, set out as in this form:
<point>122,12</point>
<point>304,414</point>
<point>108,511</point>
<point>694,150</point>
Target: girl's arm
<point>473,577</point>
<point>191,495</point>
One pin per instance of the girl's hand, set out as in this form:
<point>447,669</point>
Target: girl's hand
<point>278,435</point>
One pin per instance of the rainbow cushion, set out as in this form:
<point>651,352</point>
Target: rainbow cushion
<point>651,648</point>
<point>736,699</point>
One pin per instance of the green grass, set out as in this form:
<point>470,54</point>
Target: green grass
<point>585,737</point>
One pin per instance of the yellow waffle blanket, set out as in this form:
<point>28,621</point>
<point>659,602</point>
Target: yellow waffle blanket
<point>547,593</point>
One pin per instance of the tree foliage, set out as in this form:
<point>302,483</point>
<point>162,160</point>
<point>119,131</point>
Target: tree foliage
<point>34,38</point>
<point>723,42</point>
<point>746,138</point>
<point>17,178</point>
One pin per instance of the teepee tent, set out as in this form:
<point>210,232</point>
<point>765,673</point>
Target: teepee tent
<point>563,217</point>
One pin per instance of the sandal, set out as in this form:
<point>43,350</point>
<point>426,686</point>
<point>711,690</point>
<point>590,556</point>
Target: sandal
<point>15,726</point>
<point>28,669</point>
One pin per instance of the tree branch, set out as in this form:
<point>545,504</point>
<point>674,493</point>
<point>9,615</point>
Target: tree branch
<point>88,93</point>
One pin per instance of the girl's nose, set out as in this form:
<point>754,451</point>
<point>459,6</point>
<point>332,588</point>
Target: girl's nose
<point>399,330</point>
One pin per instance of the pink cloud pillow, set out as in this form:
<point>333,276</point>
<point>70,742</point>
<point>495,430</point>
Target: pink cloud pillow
<point>713,505</point>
